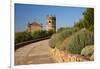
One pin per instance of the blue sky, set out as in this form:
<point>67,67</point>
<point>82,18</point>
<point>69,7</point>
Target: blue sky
<point>65,16</point>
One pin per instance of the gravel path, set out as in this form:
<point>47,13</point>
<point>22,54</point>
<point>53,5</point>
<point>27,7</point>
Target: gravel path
<point>35,53</point>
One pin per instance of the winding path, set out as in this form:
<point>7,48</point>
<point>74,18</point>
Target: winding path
<point>35,53</point>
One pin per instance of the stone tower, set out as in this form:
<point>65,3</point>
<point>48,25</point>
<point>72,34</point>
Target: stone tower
<point>50,23</point>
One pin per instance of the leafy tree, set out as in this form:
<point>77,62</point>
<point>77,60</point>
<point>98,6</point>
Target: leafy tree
<point>89,18</point>
<point>87,21</point>
<point>79,24</point>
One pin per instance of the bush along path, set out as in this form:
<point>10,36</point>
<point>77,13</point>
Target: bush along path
<point>76,46</point>
<point>71,44</point>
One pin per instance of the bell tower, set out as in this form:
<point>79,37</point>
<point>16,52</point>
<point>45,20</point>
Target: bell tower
<point>50,23</point>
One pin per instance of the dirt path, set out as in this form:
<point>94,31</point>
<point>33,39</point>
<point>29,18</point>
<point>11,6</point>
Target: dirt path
<point>35,53</point>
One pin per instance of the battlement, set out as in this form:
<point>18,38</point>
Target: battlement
<point>51,17</point>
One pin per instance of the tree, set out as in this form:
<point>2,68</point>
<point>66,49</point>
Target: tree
<point>89,19</point>
<point>79,24</point>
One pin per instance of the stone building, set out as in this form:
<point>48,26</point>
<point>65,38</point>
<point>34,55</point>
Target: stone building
<point>34,26</point>
<point>50,23</point>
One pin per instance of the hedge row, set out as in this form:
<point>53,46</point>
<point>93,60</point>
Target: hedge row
<point>27,36</point>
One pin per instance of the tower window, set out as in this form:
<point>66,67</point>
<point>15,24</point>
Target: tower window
<point>49,21</point>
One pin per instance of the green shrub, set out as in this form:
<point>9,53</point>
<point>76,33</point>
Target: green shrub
<point>52,41</point>
<point>60,29</point>
<point>22,36</point>
<point>63,29</point>
<point>73,29</point>
<point>61,36</point>
<point>88,50</point>
<point>57,39</point>
<point>75,43</point>
<point>50,32</point>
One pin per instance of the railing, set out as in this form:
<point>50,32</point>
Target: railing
<point>19,45</point>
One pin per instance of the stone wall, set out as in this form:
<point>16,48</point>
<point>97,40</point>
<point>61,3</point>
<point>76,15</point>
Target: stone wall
<point>61,56</point>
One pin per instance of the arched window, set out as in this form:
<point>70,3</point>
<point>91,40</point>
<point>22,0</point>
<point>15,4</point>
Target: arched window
<point>49,21</point>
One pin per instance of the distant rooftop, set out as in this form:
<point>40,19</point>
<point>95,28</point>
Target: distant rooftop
<point>34,23</point>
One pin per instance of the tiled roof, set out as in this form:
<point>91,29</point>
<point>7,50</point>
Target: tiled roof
<point>35,24</point>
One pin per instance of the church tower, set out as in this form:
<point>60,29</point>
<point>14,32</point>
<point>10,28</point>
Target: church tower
<point>50,23</point>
